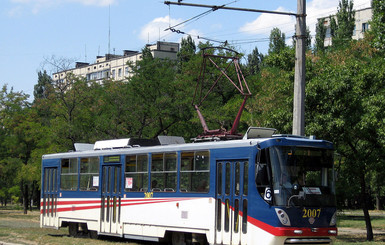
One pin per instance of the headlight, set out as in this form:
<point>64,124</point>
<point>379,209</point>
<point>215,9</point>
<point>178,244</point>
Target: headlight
<point>283,217</point>
<point>333,220</point>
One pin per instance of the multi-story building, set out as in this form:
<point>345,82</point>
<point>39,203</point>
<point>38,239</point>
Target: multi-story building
<point>362,18</point>
<point>115,67</point>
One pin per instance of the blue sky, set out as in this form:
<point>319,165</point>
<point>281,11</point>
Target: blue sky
<point>34,31</point>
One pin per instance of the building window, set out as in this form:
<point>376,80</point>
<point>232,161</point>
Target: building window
<point>120,72</point>
<point>354,30</point>
<point>328,33</point>
<point>126,71</point>
<point>113,74</point>
<point>365,27</point>
<point>195,171</point>
<point>89,174</point>
<point>69,174</point>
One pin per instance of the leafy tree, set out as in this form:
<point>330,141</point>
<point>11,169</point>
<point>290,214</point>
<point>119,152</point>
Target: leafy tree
<point>279,55</point>
<point>254,61</point>
<point>186,51</point>
<point>319,46</point>
<point>155,98</point>
<point>43,86</point>
<point>277,41</point>
<point>343,27</point>
<point>18,142</point>
<point>285,59</point>
<point>344,103</point>
<point>378,24</point>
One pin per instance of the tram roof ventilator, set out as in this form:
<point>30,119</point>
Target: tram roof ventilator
<point>129,143</point>
<point>260,132</point>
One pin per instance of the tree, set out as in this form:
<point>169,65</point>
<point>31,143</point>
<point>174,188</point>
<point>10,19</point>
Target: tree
<point>378,24</point>
<point>279,55</point>
<point>320,35</point>
<point>155,98</point>
<point>186,52</point>
<point>18,142</point>
<point>343,27</point>
<point>254,61</point>
<point>344,101</point>
<point>277,41</point>
<point>43,86</point>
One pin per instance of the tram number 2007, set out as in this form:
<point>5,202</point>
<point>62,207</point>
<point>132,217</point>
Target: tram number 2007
<point>311,213</point>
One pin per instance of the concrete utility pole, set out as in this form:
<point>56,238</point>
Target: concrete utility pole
<point>300,70</point>
<point>299,77</point>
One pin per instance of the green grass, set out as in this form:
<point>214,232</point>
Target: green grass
<point>354,220</point>
<point>15,227</point>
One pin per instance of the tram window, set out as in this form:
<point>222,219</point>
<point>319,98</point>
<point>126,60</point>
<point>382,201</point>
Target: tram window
<point>219,178</point>
<point>237,178</point>
<point>245,178</point>
<point>163,172</point>
<point>136,175</point>
<point>227,180</point>
<point>89,174</point>
<point>227,215</point>
<point>202,160</point>
<point>69,174</point>
<point>244,218</point>
<point>236,215</point>
<point>195,173</point>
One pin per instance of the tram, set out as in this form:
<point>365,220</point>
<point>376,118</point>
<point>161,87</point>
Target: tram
<point>261,189</point>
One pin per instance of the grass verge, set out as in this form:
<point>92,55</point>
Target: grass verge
<point>16,227</point>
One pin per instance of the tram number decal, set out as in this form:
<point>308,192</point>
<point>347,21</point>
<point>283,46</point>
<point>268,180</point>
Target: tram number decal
<point>148,194</point>
<point>311,213</point>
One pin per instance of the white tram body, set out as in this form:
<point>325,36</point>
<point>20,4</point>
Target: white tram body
<point>207,193</point>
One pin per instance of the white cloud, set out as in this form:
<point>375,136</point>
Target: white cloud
<point>156,28</point>
<point>265,22</point>
<point>315,9</point>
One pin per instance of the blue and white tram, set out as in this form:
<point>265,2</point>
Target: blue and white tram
<point>271,190</point>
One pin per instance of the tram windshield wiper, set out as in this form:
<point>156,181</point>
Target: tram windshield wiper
<point>301,195</point>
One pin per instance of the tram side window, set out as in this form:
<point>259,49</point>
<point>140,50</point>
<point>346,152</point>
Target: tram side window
<point>69,174</point>
<point>136,173</point>
<point>195,171</point>
<point>262,175</point>
<point>163,172</point>
<point>89,174</point>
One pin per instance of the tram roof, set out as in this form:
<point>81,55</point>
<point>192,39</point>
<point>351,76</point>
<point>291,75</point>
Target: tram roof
<point>179,147</point>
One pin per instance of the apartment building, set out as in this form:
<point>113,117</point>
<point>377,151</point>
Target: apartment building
<point>115,67</point>
<point>362,18</point>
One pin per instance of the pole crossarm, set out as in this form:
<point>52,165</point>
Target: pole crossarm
<point>216,7</point>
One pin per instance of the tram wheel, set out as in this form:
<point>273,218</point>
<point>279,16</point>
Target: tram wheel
<point>73,229</point>
<point>93,234</point>
<point>178,238</point>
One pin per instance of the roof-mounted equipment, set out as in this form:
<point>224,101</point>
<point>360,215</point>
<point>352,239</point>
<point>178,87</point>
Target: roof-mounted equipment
<point>199,97</point>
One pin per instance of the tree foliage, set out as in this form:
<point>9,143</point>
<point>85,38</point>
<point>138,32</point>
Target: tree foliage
<point>342,26</point>
<point>378,24</point>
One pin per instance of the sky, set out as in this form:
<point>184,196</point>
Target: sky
<point>37,32</point>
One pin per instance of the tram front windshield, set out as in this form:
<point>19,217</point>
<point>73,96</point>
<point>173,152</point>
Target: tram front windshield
<point>302,176</point>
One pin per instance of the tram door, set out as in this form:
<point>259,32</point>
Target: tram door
<point>50,190</point>
<point>230,209</point>
<point>111,200</point>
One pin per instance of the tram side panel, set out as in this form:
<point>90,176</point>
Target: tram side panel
<point>155,216</point>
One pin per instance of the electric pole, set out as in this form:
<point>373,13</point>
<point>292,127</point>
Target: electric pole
<point>300,70</point>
